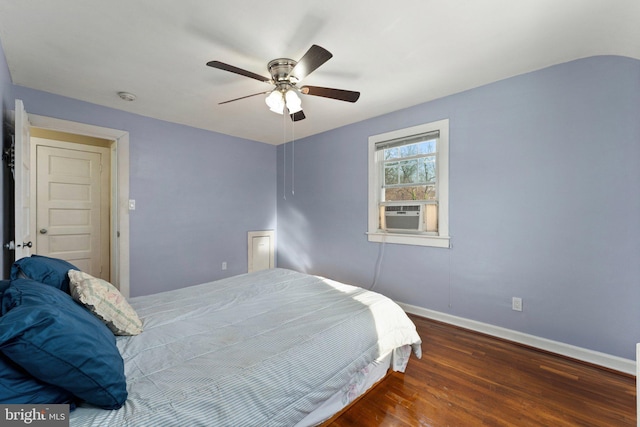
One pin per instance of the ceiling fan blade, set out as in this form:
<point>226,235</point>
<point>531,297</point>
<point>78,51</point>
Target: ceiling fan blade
<point>315,57</point>
<point>327,92</point>
<point>243,97</point>
<point>297,116</point>
<point>226,67</point>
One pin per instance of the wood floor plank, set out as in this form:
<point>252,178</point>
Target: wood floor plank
<point>470,379</point>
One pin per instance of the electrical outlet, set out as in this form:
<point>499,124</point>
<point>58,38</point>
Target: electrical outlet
<point>224,265</point>
<point>516,304</point>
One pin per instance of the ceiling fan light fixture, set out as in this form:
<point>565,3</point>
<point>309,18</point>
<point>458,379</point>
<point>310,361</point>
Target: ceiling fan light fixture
<point>294,103</point>
<point>275,101</point>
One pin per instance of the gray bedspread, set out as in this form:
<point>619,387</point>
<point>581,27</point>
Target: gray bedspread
<point>259,349</point>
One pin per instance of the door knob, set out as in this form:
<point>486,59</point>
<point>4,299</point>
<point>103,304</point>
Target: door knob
<point>43,231</point>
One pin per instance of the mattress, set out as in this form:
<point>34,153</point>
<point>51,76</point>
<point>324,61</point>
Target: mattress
<point>260,349</point>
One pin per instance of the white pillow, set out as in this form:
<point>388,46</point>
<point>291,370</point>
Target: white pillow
<point>105,302</point>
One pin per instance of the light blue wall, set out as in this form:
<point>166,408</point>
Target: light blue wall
<point>545,205</point>
<point>197,193</point>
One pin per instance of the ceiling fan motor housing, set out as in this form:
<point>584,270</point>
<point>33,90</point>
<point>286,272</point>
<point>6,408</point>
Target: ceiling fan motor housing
<point>280,69</point>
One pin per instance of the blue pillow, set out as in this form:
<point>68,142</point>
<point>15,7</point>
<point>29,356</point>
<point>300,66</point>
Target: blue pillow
<point>50,271</point>
<point>18,387</point>
<point>4,284</point>
<point>57,341</point>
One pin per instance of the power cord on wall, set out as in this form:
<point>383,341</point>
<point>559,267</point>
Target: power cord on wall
<point>378,268</point>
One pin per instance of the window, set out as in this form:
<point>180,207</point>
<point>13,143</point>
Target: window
<point>409,186</point>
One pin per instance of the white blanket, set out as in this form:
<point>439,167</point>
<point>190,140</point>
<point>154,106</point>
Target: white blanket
<point>259,349</point>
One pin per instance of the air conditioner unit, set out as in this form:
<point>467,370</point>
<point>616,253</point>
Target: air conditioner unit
<point>403,217</point>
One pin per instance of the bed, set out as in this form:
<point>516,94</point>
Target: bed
<point>270,348</point>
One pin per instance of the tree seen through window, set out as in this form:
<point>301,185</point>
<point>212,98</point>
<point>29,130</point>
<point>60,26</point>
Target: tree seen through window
<point>410,171</point>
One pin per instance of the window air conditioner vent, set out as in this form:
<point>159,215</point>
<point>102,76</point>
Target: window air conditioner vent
<point>406,218</point>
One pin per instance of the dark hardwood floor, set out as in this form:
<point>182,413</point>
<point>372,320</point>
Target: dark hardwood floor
<point>469,379</point>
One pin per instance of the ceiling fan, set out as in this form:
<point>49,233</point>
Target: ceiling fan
<point>285,75</point>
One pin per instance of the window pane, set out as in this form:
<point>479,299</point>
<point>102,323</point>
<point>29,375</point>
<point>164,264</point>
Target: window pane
<point>391,153</point>
<point>409,150</point>
<point>427,169</point>
<point>409,171</point>
<point>427,147</point>
<point>418,168</point>
<point>429,192</point>
<point>417,192</point>
<point>391,173</point>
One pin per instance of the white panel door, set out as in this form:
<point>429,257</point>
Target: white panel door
<point>261,250</point>
<point>22,198</point>
<point>72,216</point>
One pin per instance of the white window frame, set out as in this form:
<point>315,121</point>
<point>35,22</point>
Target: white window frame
<point>374,233</point>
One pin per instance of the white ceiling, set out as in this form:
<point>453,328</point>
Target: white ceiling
<point>397,54</point>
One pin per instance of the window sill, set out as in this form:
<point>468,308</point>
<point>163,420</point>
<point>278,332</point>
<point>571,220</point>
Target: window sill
<point>409,239</point>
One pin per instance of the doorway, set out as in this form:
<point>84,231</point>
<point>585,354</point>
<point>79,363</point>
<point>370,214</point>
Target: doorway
<point>118,146</point>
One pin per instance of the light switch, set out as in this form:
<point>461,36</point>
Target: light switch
<point>132,205</point>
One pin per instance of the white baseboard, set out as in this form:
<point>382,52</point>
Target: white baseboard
<point>601,359</point>
<point>638,383</point>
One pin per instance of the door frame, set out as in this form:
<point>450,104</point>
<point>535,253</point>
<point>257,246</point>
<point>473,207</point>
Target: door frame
<point>120,270</point>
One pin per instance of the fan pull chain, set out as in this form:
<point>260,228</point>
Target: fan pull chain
<point>293,157</point>
<point>284,162</point>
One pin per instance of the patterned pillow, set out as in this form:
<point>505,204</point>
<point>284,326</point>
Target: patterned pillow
<point>104,301</point>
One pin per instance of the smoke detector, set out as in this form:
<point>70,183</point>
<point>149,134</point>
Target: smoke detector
<point>127,96</point>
